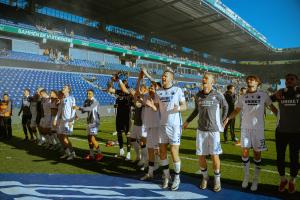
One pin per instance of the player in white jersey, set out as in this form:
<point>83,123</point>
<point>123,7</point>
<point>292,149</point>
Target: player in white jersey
<point>252,106</point>
<point>170,101</point>
<point>66,116</point>
<point>45,123</point>
<point>151,122</point>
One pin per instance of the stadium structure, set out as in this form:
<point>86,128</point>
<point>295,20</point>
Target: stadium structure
<point>50,43</point>
<point>106,36</point>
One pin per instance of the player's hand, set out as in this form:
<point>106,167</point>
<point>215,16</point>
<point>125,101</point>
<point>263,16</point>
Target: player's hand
<point>278,95</point>
<point>70,124</point>
<point>225,122</point>
<point>150,103</point>
<point>76,117</point>
<point>176,108</point>
<point>54,123</point>
<point>144,70</point>
<point>75,107</point>
<point>114,79</point>
<point>185,125</point>
<point>141,75</point>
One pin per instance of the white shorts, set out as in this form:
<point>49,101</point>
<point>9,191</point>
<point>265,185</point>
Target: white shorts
<point>92,129</point>
<point>137,132</point>
<point>63,128</point>
<point>208,143</point>
<point>152,137</point>
<point>253,138</point>
<point>170,135</point>
<point>46,122</point>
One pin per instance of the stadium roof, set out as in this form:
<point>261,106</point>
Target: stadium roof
<point>206,26</point>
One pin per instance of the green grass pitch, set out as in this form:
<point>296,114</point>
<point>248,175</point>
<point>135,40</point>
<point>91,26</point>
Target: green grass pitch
<point>18,156</point>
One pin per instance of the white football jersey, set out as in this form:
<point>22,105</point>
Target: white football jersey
<point>167,99</point>
<point>65,110</point>
<point>151,118</point>
<point>252,109</point>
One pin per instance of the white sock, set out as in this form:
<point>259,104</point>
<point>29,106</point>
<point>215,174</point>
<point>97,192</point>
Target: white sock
<point>204,172</point>
<point>136,148</point>
<point>246,163</point>
<point>165,166</point>
<point>56,138</point>
<point>257,164</point>
<point>217,176</point>
<point>68,152</point>
<point>47,140</point>
<point>92,152</point>
<point>177,166</point>
<point>144,154</point>
<point>151,168</point>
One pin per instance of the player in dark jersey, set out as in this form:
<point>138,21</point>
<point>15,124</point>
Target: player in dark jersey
<point>288,131</point>
<point>208,105</point>
<point>26,116</point>
<point>231,98</point>
<point>123,106</point>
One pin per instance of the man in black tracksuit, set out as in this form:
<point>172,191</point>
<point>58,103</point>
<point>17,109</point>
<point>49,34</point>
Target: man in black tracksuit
<point>123,107</point>
<point>288,131</point>
<point>230,97</point>
<point>26,116</point>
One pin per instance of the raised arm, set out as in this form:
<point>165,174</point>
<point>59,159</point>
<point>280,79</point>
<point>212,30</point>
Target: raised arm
<point>148,75</point>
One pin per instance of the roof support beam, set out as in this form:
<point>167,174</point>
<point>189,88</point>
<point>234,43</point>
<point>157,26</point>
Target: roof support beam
<point>186,23</point>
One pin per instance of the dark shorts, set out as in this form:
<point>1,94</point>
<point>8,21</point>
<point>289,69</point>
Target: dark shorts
<point>123,123</point>
<point>26,119</point>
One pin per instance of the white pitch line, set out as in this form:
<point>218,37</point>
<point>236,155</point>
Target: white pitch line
<point>209,161</point>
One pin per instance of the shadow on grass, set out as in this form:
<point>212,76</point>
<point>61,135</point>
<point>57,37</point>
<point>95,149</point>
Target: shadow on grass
<point>234,157</point>
<point>116,166</point>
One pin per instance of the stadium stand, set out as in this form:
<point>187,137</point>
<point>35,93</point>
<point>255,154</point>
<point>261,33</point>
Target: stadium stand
<point>92,34</point>
<point>16,79</point>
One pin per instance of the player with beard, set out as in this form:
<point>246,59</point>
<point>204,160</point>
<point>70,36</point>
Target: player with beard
<point>170,101</point>
<point>208,105</point>
<point>288,131</point>
<point>252,106</point>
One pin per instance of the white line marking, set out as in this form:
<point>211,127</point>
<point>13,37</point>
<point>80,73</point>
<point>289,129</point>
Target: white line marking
<point>209,161</point>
